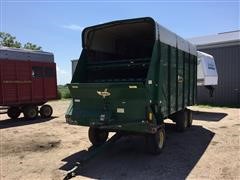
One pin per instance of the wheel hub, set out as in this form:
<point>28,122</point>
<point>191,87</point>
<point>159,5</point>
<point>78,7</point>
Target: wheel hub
<point>47,111</point>
<point>32,113</point>
<point>161,140</point>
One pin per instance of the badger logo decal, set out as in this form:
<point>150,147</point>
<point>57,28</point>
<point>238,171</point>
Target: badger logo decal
<point>104,93</point>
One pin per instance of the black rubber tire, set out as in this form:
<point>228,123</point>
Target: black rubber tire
<point>97,136</point>
<point>155,142</point>
<point>190,119</point>
<point>30,112</point>
<point>13,112</point>
<point>46,111</point>
<point>181,120</point>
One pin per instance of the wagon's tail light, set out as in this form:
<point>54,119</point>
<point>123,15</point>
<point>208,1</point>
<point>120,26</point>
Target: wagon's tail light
<point>150,116</point>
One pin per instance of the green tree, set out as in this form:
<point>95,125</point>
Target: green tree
<point>8,40</point>
<point>31,46</point>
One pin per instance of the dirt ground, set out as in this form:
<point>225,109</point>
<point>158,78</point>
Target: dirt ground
<point>47,149</point>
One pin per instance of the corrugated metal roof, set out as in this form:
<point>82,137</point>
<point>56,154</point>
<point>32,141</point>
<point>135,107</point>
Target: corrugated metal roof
<point>7,53</point>
<point>220,38</point>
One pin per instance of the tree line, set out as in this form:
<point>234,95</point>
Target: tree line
<point>8,40</point>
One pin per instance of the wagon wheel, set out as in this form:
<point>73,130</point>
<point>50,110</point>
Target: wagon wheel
<point>13,112</point>
<point>182,120</point>
<point>155,142</point>
<point>46,111</point>
<point>97,136</point>
<point>30,112</point>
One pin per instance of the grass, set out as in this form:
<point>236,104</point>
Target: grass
<point>63,92</point>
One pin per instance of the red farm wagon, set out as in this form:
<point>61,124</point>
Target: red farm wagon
<point>27,82</point>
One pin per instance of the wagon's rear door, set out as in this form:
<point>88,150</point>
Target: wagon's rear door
<point>50,81</point>
<point>37,82</point>
<point>44,83</point>
<point>108,103</point>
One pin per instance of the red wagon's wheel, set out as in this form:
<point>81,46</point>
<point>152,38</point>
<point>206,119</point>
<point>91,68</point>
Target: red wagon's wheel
<point>30,112</point>
<point>13,112</point>
<point>46,111</point>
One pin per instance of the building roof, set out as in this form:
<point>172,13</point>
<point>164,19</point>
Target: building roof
<point>7,53</point>
<point>217,40</point>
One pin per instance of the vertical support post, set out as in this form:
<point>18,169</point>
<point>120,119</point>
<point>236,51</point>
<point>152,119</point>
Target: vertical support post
<point>169,79</point>
<point>184,81</point>
<point>189,80</point>
<point>1,79</point>
<point>177,78</point>
<point>31,78</point>
<point>157,70</point>
<point>17,75</point>
<point>43,81</point>
<point>195,79</point>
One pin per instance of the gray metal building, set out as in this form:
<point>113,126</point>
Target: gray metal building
<point>225,48</point>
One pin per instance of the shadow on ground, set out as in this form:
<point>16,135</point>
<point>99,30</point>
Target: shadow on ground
<point>127,158</point>
<point>9,123</point>
<point>208,116</point>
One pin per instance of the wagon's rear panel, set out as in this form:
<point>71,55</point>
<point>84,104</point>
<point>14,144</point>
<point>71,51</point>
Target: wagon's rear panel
<point>123,103</point>
<point>44,85</point>
<point>115,60</point>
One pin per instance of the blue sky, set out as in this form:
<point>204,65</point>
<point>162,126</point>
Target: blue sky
<point>56,25</point>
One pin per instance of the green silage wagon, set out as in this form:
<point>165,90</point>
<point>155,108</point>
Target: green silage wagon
<point>131,75</point>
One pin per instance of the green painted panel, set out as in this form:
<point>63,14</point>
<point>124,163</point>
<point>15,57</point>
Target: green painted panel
<point>180,79</point>
<point>80,74</point>
<point>194,79</point>
<point>126,102</point>
<point>163,80</point>
<point>173,80</point>
<point>186,79</point>
<point>153,74</point>
<point>192,76</point>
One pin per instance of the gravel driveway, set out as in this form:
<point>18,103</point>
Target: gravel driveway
<point>47,149</point>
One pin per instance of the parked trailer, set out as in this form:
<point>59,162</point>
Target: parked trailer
<point>131,75</point>
<point>27,80</point>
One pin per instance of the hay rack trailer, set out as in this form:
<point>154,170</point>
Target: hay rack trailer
<point>131,76</point>
<point>27,81</point>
